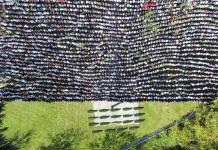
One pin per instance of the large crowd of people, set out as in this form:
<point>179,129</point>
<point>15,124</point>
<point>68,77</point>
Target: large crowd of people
<point>116,50</point>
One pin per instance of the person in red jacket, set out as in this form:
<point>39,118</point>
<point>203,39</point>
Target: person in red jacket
<point>61,1</point>
<point>150,5</point>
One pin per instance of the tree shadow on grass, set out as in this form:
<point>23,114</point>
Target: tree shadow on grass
<point>17,141</point>
<point>113,140</point>
<point>67,140</point>
<point>21,141</point>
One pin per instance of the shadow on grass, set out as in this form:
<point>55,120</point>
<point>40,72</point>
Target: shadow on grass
<point>17,141</point>
<point>67,140</point>
<point>113,140</point>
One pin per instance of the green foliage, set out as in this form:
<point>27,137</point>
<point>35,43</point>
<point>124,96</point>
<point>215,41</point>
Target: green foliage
<point>68,140</point>
<point>198,134</point>
<point>113,141</point>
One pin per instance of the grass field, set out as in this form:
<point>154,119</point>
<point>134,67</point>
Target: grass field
<point>44,119</point>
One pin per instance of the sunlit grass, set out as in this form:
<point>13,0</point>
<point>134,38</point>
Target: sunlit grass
<point>45,119</point>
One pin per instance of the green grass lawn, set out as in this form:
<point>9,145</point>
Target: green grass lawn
<point>44,119</point>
